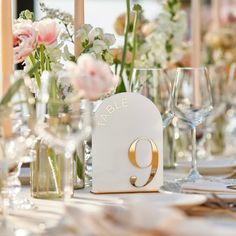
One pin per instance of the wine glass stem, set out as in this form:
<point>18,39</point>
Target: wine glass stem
<point>4,194</point>
<point>194,150</point>
<point>68,176</point>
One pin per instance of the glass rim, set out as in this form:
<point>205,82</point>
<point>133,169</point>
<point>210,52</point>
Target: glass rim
<point>152,69</point>
<point>192,68</point>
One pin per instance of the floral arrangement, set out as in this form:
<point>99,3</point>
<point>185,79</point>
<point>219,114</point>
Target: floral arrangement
<point>156,43</point>
<point>44,46</point>
<point>163,37</point>
<point>220,46</point>
<point>220,42</point>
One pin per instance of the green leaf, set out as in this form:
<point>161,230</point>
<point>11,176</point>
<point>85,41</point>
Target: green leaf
<point>137,7</point>
<point>11,91</point>
<point>27,15</point>
<point>79,166</point>
<point>34,68</point>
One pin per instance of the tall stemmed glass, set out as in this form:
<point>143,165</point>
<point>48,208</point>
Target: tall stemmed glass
<point>230,95</point>
<point>23,120</point>
<point>192,103</point>
<point>155,84</point>
<point>12,147</point>
<point>230,99</point>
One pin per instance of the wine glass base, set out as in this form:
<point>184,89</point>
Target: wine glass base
<point>193,176</point>
<point>6,230</point>
<point>22,204</point>
<point>176,185</point>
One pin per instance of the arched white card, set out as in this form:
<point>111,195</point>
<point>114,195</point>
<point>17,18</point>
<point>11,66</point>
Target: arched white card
<point>127,145</point>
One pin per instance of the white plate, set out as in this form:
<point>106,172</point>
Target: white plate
<point>210,167</point>
<point>166,199</point>
<point>155,199</point>
<point>230,198</point>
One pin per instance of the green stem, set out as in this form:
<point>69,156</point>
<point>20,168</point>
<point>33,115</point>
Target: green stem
<point>37,75</point>
<point>48,66</point>
<point>53,166</point>
<point>136,16</point>
<point>53,106</point>
<point>127,24</point>
<point>116,67</point>
<point>68,32</point>
<point>41,56</point>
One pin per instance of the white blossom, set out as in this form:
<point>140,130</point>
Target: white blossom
<point>99,46</point>
<point>153,51</point>
<point>95,33</point>
<point>109,39</point>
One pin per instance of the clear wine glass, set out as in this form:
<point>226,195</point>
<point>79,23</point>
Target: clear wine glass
<point>12,147</point>
<point>155,84</point>
<point>192,103</point>
<point>210,134</point>
<point>230,95</point>
<point>230,99</point>
<point>23,119</point>
<point>62,124</point>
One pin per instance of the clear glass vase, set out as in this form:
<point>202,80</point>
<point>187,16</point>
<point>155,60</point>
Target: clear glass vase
<point>47,173</point>
<point>62,125</point>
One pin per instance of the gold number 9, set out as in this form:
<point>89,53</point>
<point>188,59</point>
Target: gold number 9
<point>153,164</point>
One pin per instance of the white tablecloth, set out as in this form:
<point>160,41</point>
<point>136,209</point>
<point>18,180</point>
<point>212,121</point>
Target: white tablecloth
<point>49,212</point>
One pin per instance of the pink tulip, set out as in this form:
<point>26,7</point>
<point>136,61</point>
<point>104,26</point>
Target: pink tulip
<point>91,77</point>
<point>48,31</point>
<point>24,39</point>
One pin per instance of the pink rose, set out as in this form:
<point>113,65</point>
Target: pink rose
<point>24,39</point>
<point>48,31</point>
<point>91,77</point>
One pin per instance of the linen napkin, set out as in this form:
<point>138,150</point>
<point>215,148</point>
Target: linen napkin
<point>204,227</point>
<point>139,220</point>
<point>208,186</point>
<point>116,220</point>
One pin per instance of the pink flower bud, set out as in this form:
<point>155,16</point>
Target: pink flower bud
<point>92,78</point>
<point>48,31</point>
<point>24,39</point>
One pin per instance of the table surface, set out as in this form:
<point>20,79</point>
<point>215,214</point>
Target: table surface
<point>48,212</point>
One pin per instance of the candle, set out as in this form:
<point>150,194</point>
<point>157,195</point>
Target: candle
<point>6,45</point>
<point>6,57</point>
<point>79,21</point>
<point>216,14</point>
<point>196,33</point>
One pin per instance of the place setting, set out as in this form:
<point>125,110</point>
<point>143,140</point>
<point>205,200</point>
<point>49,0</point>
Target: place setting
<point>119,123</point>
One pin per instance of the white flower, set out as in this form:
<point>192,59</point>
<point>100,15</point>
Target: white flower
<point>87,28</point>
<point>153,52</point>
<point>95,33</point>
<point>66,54</point>
<point>83,32</point>
<point>91,78</point>
<point>108,58</point>
<point>109,39</point>
<point>31,83</point>
<point>99,46</point>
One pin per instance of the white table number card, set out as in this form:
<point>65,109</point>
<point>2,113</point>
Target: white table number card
<point>127,145</point>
